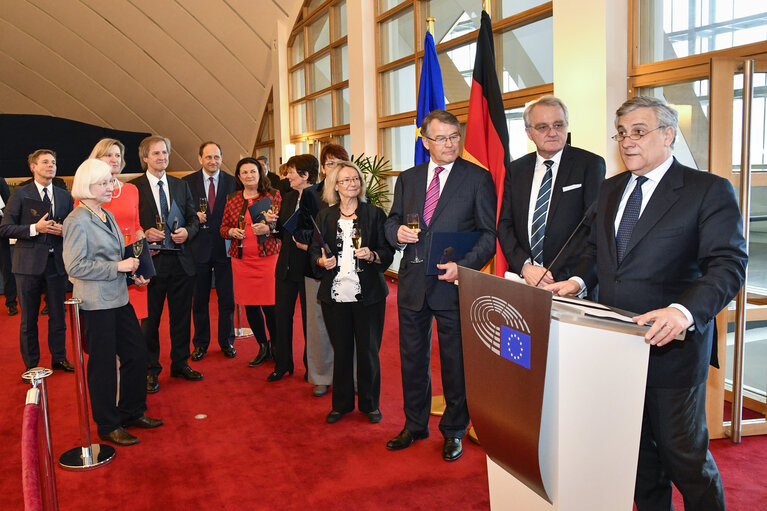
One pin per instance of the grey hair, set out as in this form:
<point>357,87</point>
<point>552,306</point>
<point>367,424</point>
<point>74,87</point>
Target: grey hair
<point>548,100</point>
<point>667,116</point>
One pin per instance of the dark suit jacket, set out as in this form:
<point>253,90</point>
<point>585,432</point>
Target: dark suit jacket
<point>274,180</point>
<point>179,192</point>
<point>686,248</point>
<point>30,254</point>
<point>370,220</point>
<point>576,187</point>
<point>208,245</point>
<point>5,191</point>
<point>293,263</point>
<point>467,204</point>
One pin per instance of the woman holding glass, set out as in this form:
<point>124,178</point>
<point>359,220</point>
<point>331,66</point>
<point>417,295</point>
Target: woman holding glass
<point>93,257</point>
<point>254,249</point>
<point>124,207</point>
<point>353,290</point>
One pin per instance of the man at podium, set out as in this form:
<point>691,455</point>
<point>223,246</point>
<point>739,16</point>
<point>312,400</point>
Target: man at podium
<point>666,243</point>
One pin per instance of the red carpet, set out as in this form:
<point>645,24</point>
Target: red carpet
<point>267,446</point>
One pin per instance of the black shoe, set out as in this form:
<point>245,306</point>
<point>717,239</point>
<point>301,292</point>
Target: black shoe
<point>452,449</point>
<point>119,437</point>
<point>186,373</point>
<point>13,309</point>
<point>277,375</point>
<point>63,365</point>
<point>229,351</point>
<point>44,312</point>
<point>144,422</point>
<point>405,439</point>
<point>152,385</point>
<point>333,417</point>
<point>375,417</point>
<point>198,353</point>
<point>264,354</point>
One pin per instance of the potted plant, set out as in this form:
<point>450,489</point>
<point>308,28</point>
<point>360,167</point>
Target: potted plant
<point>375,170</point>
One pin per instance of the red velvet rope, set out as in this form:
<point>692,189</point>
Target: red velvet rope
<point>30,462</point>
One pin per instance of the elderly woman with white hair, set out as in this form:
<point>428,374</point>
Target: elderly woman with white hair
<point>93,257</point>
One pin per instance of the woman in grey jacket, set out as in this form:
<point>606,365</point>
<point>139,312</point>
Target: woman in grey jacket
<point>93,256</point>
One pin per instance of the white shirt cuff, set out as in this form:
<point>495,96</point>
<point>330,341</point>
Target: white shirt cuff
<point>681,308</point>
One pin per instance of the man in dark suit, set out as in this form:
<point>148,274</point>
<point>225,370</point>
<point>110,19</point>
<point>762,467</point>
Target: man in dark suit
<point>667,243</point>
<point>9,282</point>
<point>174,265</point>
<point>37,259</point>
<point>449,194</point>
<point>545,195</point>
<point>274,179</point>
<point>209,252</point>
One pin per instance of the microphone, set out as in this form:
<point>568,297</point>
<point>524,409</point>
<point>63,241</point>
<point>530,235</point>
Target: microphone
<point>588,213</point>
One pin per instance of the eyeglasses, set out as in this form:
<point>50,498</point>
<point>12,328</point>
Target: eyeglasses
<point>544,128</point>
<point>105,183</point>
<point>454,139</point>
<point>348,180</point>
<point>635,134</point>
<point>330,164</point>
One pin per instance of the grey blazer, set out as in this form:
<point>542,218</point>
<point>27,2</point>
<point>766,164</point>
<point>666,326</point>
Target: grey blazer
<point>91,254</point>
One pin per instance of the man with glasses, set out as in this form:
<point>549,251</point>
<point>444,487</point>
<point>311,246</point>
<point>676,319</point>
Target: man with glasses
<point>546,194</point>
<point>667,244</point>
<point>448,194</point>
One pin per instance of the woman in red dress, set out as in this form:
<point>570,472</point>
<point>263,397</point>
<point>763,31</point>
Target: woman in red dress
<point>124,207</point>
<point>253,250</point>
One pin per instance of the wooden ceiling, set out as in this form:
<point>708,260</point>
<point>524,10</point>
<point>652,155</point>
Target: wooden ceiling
<point>190,70</point>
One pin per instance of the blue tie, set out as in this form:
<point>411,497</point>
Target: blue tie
<point>629,219</point>
<point>47,201</point>
<point>539,215</point>
<point>164,211</point>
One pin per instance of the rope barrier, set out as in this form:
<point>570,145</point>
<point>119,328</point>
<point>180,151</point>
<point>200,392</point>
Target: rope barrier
<point>30,460</point>
<point>38,478</point>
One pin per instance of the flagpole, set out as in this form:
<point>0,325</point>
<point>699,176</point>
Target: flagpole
<point>430,24</point>
<point>486,6</point>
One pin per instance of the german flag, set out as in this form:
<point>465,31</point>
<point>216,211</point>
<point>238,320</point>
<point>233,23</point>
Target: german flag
<point>487,138</point>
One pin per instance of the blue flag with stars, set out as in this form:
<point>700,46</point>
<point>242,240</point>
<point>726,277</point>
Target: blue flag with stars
<point>515,346</point>
<point>431,94</point>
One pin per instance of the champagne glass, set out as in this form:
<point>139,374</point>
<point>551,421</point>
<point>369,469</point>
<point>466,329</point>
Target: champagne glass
<point>138,247</point>
<point>414,224</point>
<point>204,209</point>
<point>357,242</point>
<point>159,223</point>
<point>274,209</point>
<point>241,225</point>
<point>126,235</point>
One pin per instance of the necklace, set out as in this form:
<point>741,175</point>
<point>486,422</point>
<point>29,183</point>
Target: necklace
<point>344,214</point>
<point>102,216</point>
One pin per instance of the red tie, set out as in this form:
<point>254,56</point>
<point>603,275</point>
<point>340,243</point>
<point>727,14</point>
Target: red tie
<point>432,196</point>
<point>211,195</point>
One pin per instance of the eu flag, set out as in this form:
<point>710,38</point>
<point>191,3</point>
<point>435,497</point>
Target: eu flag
<point>515,346</point>
<point>431,95</point>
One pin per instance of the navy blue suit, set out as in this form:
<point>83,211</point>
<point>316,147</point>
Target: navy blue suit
<point>466,204</point>
<point>37,262</point>
<point>209,252</point>
<point>9,282</point>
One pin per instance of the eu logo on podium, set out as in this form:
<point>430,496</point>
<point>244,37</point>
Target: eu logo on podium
<point>515,346</point>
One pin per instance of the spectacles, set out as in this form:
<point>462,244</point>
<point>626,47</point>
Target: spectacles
<point>348,180</point>
<point>544,128</point>
<point>330,164</point>
<point>105,183</point>
<point>634,135</point>
<point>454,139</point>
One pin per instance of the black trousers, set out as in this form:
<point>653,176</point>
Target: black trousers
<point>673,448</point>
<point>173,282</point>
<point>200,306</point>
<point>9,282</point>
<point>415,353</point>
<point>30,288</point>
<point>285,294</point>
<point>109,333</point>
<point>256,315</point>
<point>353,325</point>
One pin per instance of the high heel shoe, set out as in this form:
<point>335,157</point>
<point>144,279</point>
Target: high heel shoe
<point>264,354</point>
<point>277,375</point>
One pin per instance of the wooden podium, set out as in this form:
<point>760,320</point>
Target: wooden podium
<point>590,411</point>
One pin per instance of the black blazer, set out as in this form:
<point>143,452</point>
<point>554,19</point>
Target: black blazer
<point>293,263</point>
<point>467,204</point>
<point>5,191</point>
<point>371,221</point>
<point>686,248</point>
<point>179,192</point>
<point>579,176</point>
<point>208,245</point>
<point>30,254</point>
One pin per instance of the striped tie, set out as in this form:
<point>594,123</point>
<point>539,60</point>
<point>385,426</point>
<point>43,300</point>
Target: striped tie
<point>629,219</point>
<point>432,196</point>
<point>539,215</point>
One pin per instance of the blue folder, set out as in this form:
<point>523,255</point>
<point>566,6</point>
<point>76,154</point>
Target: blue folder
<point>145,264</point>
<point>448,246</point>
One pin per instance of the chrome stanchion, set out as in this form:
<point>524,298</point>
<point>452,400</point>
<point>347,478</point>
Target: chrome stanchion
<point>88,455</point>
<point>240,332</point>
<point>36,376</point>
